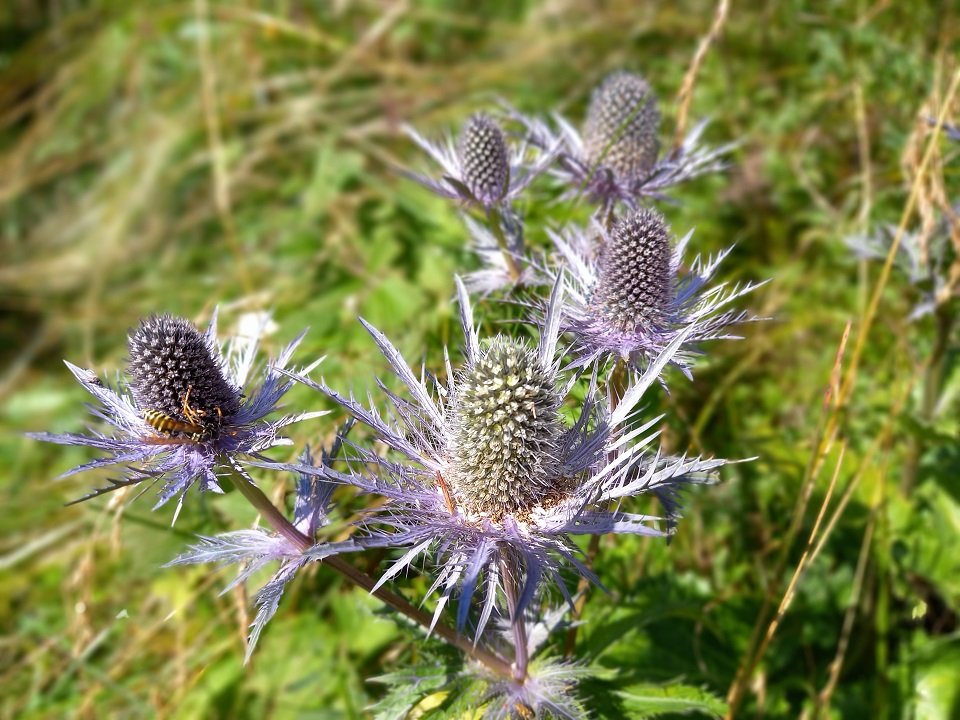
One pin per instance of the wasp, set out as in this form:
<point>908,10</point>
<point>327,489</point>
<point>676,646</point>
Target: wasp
<point>193,428</point>
<point>163,423</point>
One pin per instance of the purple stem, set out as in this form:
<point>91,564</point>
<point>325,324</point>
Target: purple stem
<point>517,623</point>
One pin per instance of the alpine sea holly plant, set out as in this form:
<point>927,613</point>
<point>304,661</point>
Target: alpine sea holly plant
<point>482,473</point>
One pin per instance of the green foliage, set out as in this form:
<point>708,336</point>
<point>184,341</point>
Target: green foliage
<point>126,188</point>
<point>652,701</point>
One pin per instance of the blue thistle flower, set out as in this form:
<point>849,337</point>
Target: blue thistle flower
<point>254,549</point>
<point>629,298</point>
<point>186,409</point>
<point>617,157</point>
<point>488,470</point>
<point>479,167</point>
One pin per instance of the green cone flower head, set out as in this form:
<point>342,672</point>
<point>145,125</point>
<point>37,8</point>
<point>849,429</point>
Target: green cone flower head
<point>506,431</point>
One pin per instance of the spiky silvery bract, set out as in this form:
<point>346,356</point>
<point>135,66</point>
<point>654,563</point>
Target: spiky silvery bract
<point>480,167</point>
<point>440,505</point>
<point>180,372</point>
<point>635,280</point>
<point>254,549</point>
<point>482,149</point>
<point>505,263</point>
<point>549,691</point>
<point>630,298</point>
<point>622,126</point>
<point>177,370</point>
<point>505,431</point>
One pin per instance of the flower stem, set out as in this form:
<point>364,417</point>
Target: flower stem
<point>278,522</point>
<point>517,623</point>
<point>267,509</point>
<point>496,226</point>
<point>932,387</point>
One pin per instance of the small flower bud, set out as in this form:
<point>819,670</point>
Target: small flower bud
<point>622,125</point>
<point>176,370</point>
<point>506,430</point>
<point>484,160</point>
<point>635,280</point>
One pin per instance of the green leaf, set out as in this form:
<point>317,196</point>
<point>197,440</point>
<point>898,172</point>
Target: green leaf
<point>407,689</point>
<point>937,681</point>
<point>649,701</point>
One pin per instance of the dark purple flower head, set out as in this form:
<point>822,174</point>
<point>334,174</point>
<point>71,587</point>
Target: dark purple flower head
<point>479,167</point>
<point>482,151</point>
<point>629,298</point>
<point>635,282</point>
<point>617,159</point>
<point>183,412</point>
<point>176,370</point>
<point>622,126</point>
<point>489,470</point>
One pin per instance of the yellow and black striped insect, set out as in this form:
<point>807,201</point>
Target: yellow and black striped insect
<point>166,425</point>
<point>193,428</point>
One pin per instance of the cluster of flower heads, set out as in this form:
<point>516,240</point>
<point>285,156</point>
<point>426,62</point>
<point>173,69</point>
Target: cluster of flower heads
<point>494,466</point>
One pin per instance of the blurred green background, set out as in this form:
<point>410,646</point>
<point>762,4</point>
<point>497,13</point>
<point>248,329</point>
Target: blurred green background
<point>177,156</point>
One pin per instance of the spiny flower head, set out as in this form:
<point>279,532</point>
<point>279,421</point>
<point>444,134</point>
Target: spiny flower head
<point>480,168</point>
<point>183,413</point>
<point>176,370</point>
<point>926,257</point>
<point>623,120</point>
<point>467,497</point>
<point>616,159</point>
<point>635,280</point>
<point>629,299</point>
<point>505,430</point>
<point>482,150</point>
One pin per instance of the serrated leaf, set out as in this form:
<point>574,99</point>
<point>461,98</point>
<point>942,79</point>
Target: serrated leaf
<point>650,701</point>
<point>408,689</point>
